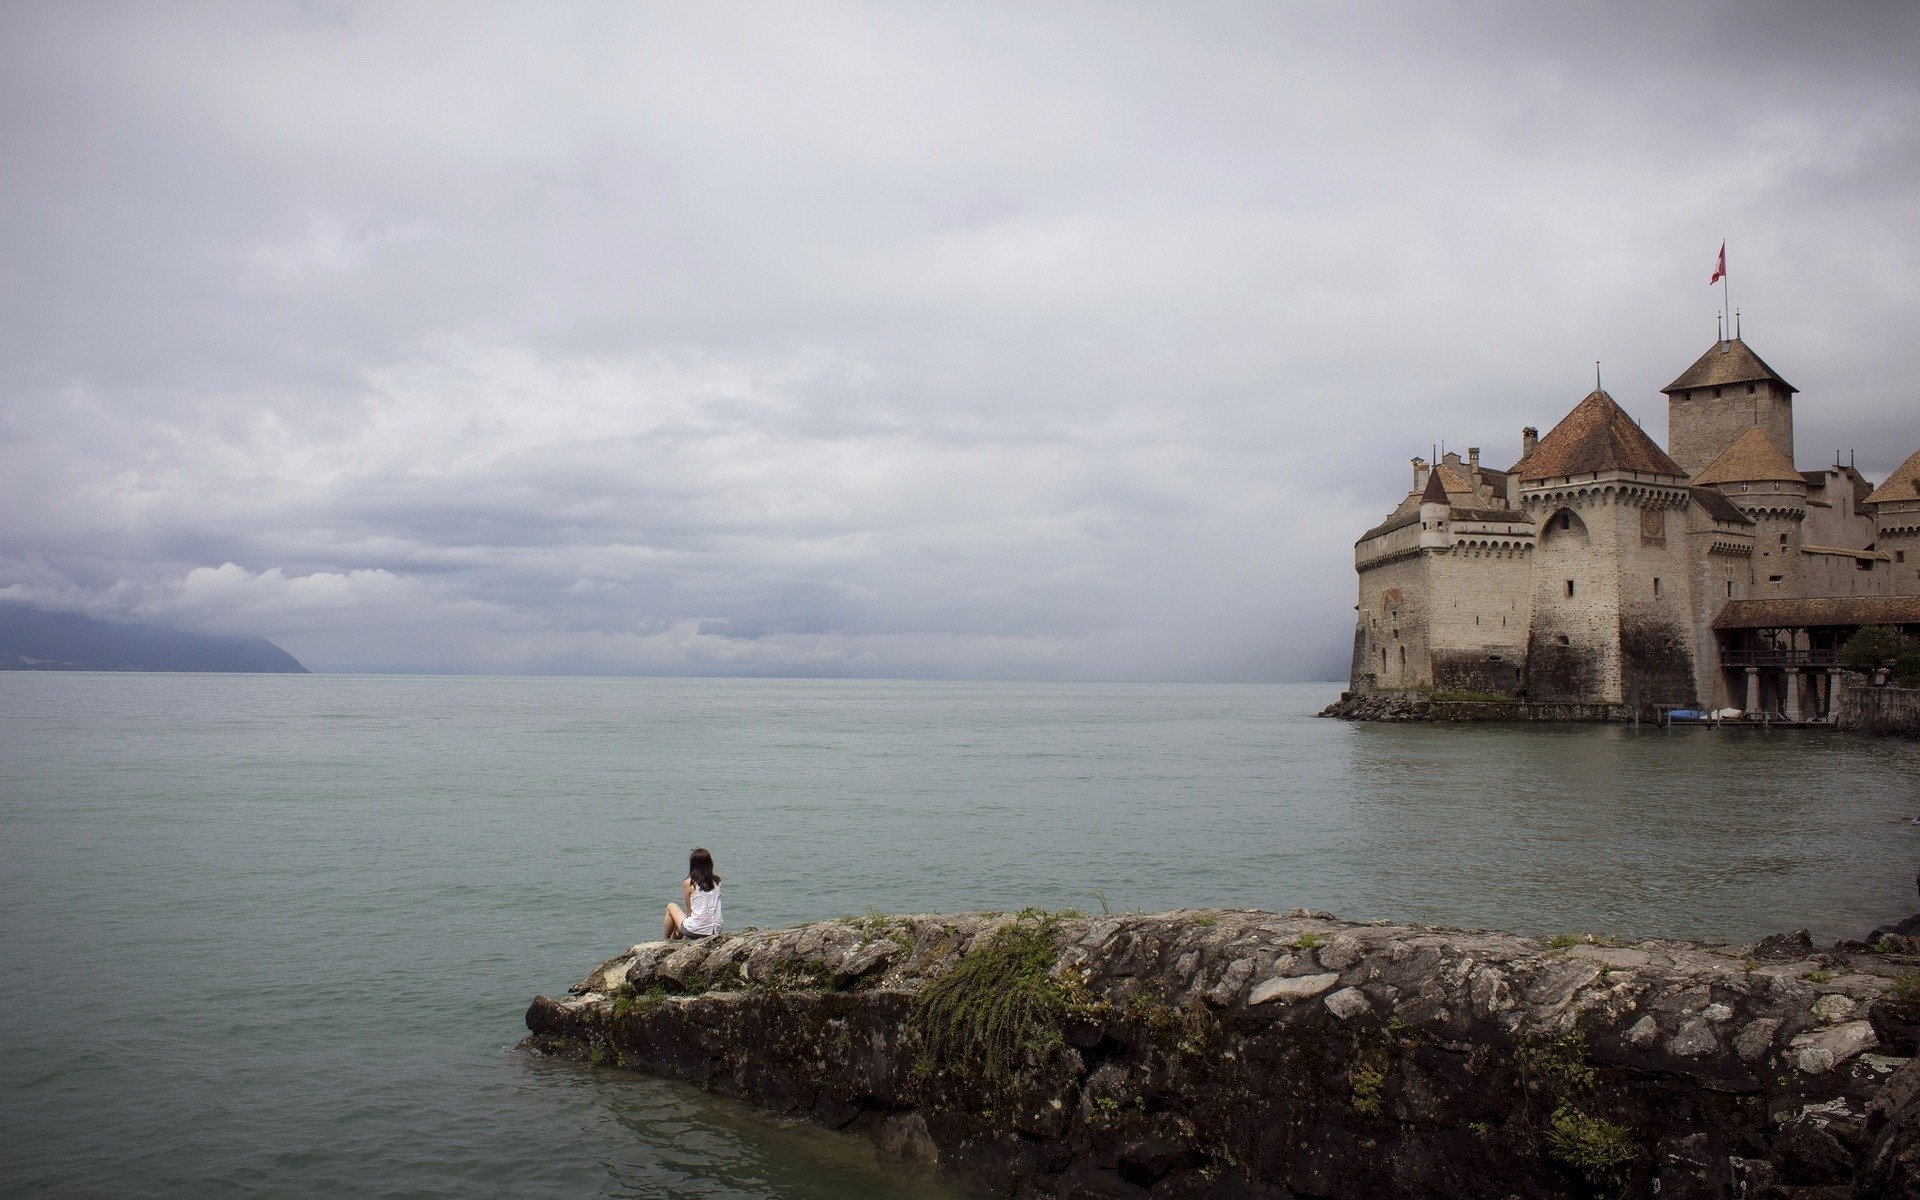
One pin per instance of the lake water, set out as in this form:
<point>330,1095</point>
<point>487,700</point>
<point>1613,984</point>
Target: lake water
<point>273,935</point>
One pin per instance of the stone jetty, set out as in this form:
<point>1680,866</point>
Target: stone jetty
<point>1257,1056</point>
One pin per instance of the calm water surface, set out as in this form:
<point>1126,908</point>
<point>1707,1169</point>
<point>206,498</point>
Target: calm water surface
<point>273,935</point>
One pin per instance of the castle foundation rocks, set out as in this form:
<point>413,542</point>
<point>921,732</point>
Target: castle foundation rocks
<point>1244,1054</point>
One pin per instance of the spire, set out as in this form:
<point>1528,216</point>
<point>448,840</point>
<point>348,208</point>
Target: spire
<point>1436,490</point>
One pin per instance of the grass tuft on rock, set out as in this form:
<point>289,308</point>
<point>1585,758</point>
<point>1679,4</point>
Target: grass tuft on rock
<point>999,1004</point>
<point>1556,1064</point>
<point>1598,1149</point>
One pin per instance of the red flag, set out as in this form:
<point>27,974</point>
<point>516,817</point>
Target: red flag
<point>1720,267</point>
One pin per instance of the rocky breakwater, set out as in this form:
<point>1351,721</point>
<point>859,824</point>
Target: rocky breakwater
<point>1381,706</point>
<point>1245,1054</point>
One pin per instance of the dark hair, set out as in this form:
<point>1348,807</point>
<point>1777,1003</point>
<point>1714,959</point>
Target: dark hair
<point>700,870</point>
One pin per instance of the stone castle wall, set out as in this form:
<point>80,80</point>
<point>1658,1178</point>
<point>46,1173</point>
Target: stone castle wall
<point>1899,536</point>
<point>1391,634</point>
<point>1701,426</point>
<point>1882,712</point>
<point>1843,575</point>
<point>1655,622</point>
<point>1718,572</point>
<point>1573,648</point>
<point>1478,618</point>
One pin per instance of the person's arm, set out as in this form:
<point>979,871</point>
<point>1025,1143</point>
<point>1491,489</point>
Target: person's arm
<point>686,894</point>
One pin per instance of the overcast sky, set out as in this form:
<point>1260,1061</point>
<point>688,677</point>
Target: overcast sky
<point>1005,340</point>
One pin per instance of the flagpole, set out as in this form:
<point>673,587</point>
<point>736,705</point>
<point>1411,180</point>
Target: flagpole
<point>1726,284</point>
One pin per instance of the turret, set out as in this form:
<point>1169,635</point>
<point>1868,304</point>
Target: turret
<point>1610,587</point>
<point>1761,482</point>
<point>1895,506</point>
<point>1726,392</point>
<point>1433,512</point>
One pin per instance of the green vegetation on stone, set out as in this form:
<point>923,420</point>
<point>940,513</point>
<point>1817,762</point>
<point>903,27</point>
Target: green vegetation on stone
<point>1598,1149</point>
<point>1368,1077</point>
<point>998,1005</point>
<point>1559,1064</point>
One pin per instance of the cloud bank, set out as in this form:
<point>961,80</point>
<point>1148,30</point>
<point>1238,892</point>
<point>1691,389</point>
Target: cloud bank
<point>848,339</point>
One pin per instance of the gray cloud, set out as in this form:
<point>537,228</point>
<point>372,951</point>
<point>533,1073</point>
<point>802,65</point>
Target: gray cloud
<point>1073,341</point>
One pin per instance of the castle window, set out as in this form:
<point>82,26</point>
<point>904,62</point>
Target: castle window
<point>1783,541</point>
<point>1775,578</point>
<point>1899,556</point>
<point>1716,393</point>
<point>1403,658</point>
<point>1729,588</point>
<point>1569,587</point>
<point>1863,564</point>
<point>1749,389</point>
<point>1656,585</point>
<point>1565,640</point>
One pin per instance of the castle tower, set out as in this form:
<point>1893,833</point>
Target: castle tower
<point>1763,485</point>
<point>1728,391</point>
<point>1433,513</point>
<point>1895,506</point>
<point>1610,579</point>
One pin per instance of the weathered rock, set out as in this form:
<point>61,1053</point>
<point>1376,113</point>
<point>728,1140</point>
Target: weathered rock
<point>1348,1003</point>
<point>1297,987</point>
<point>1784,947</point>
<point>1243,1054</point>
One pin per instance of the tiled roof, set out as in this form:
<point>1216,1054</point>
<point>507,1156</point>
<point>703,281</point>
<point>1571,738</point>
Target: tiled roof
<point>1843,552</point>
<point>1436,489</point>
<point>1719,507</point>
<point>1453,479</point>
<point>1752,458</point>
<point>1819,612</point>
<point>1392,523</point>
<point>1488,514</point>
<point>1727,362</point>
<point>1597,435</point>
<point>1903,484</point>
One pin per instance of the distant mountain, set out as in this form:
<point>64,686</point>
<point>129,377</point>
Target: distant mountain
<point>32,639</point>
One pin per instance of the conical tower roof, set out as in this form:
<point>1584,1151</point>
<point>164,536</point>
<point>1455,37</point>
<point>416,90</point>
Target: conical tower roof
<point>1597,435</point>
<point>1731,361</point>
<point>1903,484</point>
<point>1753,458</point>
<point>1436,490</point>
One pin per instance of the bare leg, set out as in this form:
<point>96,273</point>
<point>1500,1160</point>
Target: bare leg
<point>671,922</point>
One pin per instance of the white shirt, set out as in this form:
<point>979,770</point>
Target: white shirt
<point>705,917</point>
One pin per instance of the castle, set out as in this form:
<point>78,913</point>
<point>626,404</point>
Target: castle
<point>1601,570</point>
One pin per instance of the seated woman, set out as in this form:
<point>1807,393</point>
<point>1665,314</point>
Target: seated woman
<point>701,893</point>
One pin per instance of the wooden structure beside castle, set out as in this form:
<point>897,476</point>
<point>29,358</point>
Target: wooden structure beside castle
<point>1603,570</point>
